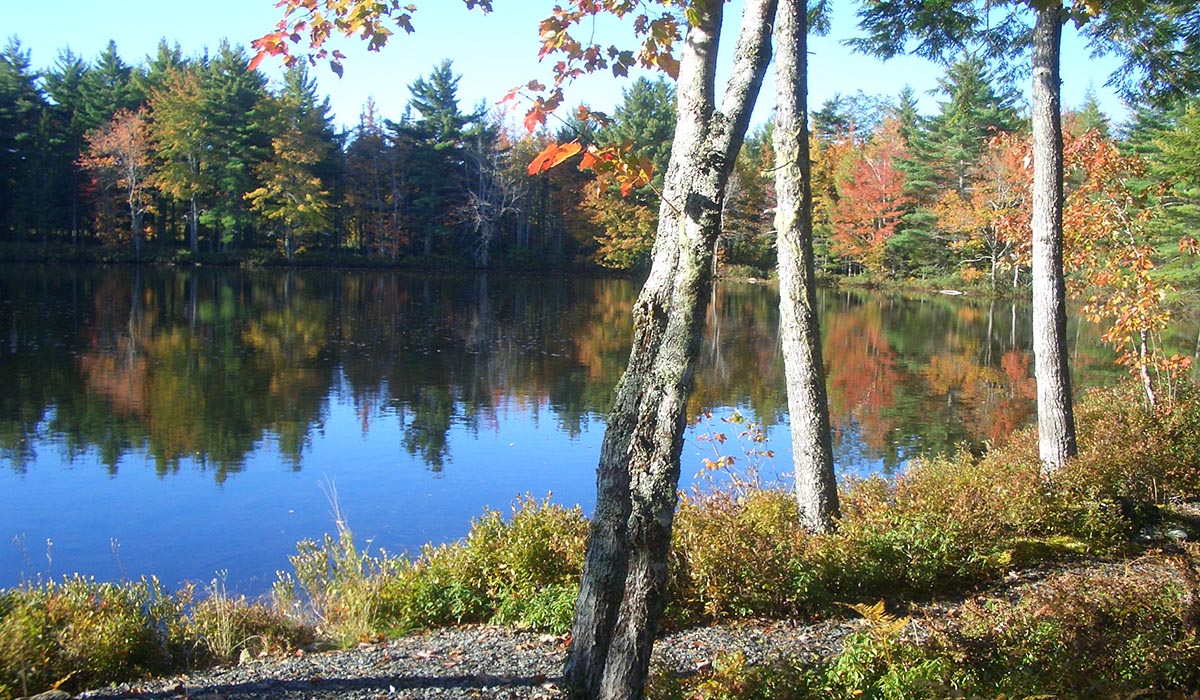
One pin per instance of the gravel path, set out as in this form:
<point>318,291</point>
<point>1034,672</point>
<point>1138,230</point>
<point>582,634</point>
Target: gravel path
<point>469,662</point>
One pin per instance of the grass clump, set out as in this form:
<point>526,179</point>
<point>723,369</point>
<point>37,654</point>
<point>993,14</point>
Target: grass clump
<point>228,626</point>
<point>523,571</point>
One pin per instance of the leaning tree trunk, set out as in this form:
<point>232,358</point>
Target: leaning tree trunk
<point>1056,421</point>
<point>625,575</point>
<point>800,334</point>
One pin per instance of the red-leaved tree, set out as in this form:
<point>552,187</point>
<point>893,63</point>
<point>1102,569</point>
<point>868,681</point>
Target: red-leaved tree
<point>118,156</point>
<point>871,200</point>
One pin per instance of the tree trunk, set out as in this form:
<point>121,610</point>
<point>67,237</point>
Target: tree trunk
<point>799,332</point>
<point>193,228</point>
<point>1056,421</point>
<point>624,581</point>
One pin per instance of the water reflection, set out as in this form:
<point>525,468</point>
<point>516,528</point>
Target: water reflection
<point>202,366</point>
<point>426,397</point>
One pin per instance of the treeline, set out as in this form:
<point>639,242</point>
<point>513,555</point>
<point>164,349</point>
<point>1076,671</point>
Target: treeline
<point>200,156</point>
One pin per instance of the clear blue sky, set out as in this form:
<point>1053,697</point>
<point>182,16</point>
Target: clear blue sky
<point>493,53</point>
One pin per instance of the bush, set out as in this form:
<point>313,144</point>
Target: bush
<point>1085,635</point>
<point>336,584</point>
<point>77,633</point>
<point>741,558</point>
<point>523,572</point>
<point>1129,450</point>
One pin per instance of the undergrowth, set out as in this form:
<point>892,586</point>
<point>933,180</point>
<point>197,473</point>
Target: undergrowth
<point>944,525</point>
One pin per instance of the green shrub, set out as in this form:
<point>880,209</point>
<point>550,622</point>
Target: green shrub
<point>1085,635</point>
<point>741,558</point>
<point>522,571</point>
<point>77,633</point>
<point>336,584</point>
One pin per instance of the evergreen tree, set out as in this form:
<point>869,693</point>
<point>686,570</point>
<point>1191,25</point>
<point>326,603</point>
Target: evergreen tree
<point>945,148</point>
<point>237,136</point>
<point>646,120</point>
<point>858,114</point>
<point>436,137</point>
<point>1088,116</point>
<point>108,87</point>
<point>371,204</point>
<point>64,84</point>
<point>943,152</point>
<point>645,123</point>
<point>21,109</point>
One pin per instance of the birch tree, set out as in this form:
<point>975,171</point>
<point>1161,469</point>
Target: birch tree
<point>799,331</point>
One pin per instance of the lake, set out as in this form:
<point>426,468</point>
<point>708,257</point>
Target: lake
<point>198,423</point>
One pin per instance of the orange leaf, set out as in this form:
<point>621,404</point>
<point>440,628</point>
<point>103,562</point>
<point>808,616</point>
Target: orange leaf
<point>511,94</point>
<point>553,156</point>
<point>535,116</point>
<point>565,152</point>
<point>588,161</point>
<point>258,58</point>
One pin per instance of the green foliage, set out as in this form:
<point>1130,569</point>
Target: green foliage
<point>1083,635</point>
<point>523,571</point>
<point>78,633</point>
<point>336,584</point>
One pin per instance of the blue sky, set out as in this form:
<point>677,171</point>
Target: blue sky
<point>493,53</point>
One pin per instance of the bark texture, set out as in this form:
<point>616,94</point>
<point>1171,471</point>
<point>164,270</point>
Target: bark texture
<point>799,332</point>
<point>624,580</point>
<point>1056,420</point>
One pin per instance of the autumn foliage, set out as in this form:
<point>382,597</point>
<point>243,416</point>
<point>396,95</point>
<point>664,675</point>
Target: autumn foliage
<point>118,158</point>
<point>871,200</point>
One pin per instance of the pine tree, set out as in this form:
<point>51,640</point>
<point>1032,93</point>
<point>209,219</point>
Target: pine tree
<point>238,138</point>
<point>944,150</point>
<point>108,88</point>
<point>64,83</point>
<point>436,138</point>
<point>22,106</point>
<point>625,224</point>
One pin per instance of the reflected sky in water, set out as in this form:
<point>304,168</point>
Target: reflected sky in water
<point>186,423</point>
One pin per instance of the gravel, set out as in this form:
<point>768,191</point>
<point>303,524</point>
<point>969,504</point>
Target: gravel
<point>470,662</point>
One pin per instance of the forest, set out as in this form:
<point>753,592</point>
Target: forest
<point>198,158</point>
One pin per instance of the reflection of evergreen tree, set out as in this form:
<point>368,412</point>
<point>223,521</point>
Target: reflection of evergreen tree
<point>425,432</point>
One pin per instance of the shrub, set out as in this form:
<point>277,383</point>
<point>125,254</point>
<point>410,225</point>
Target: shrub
<point>336,584</point>
<point>523,571</point>
<point>1089,634</point>
<point>78,632</point>
<point>741,558</point>
<point>1129,450</point>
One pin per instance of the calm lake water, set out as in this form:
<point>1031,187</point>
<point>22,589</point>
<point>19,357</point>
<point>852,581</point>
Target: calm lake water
<point>185,423</point>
